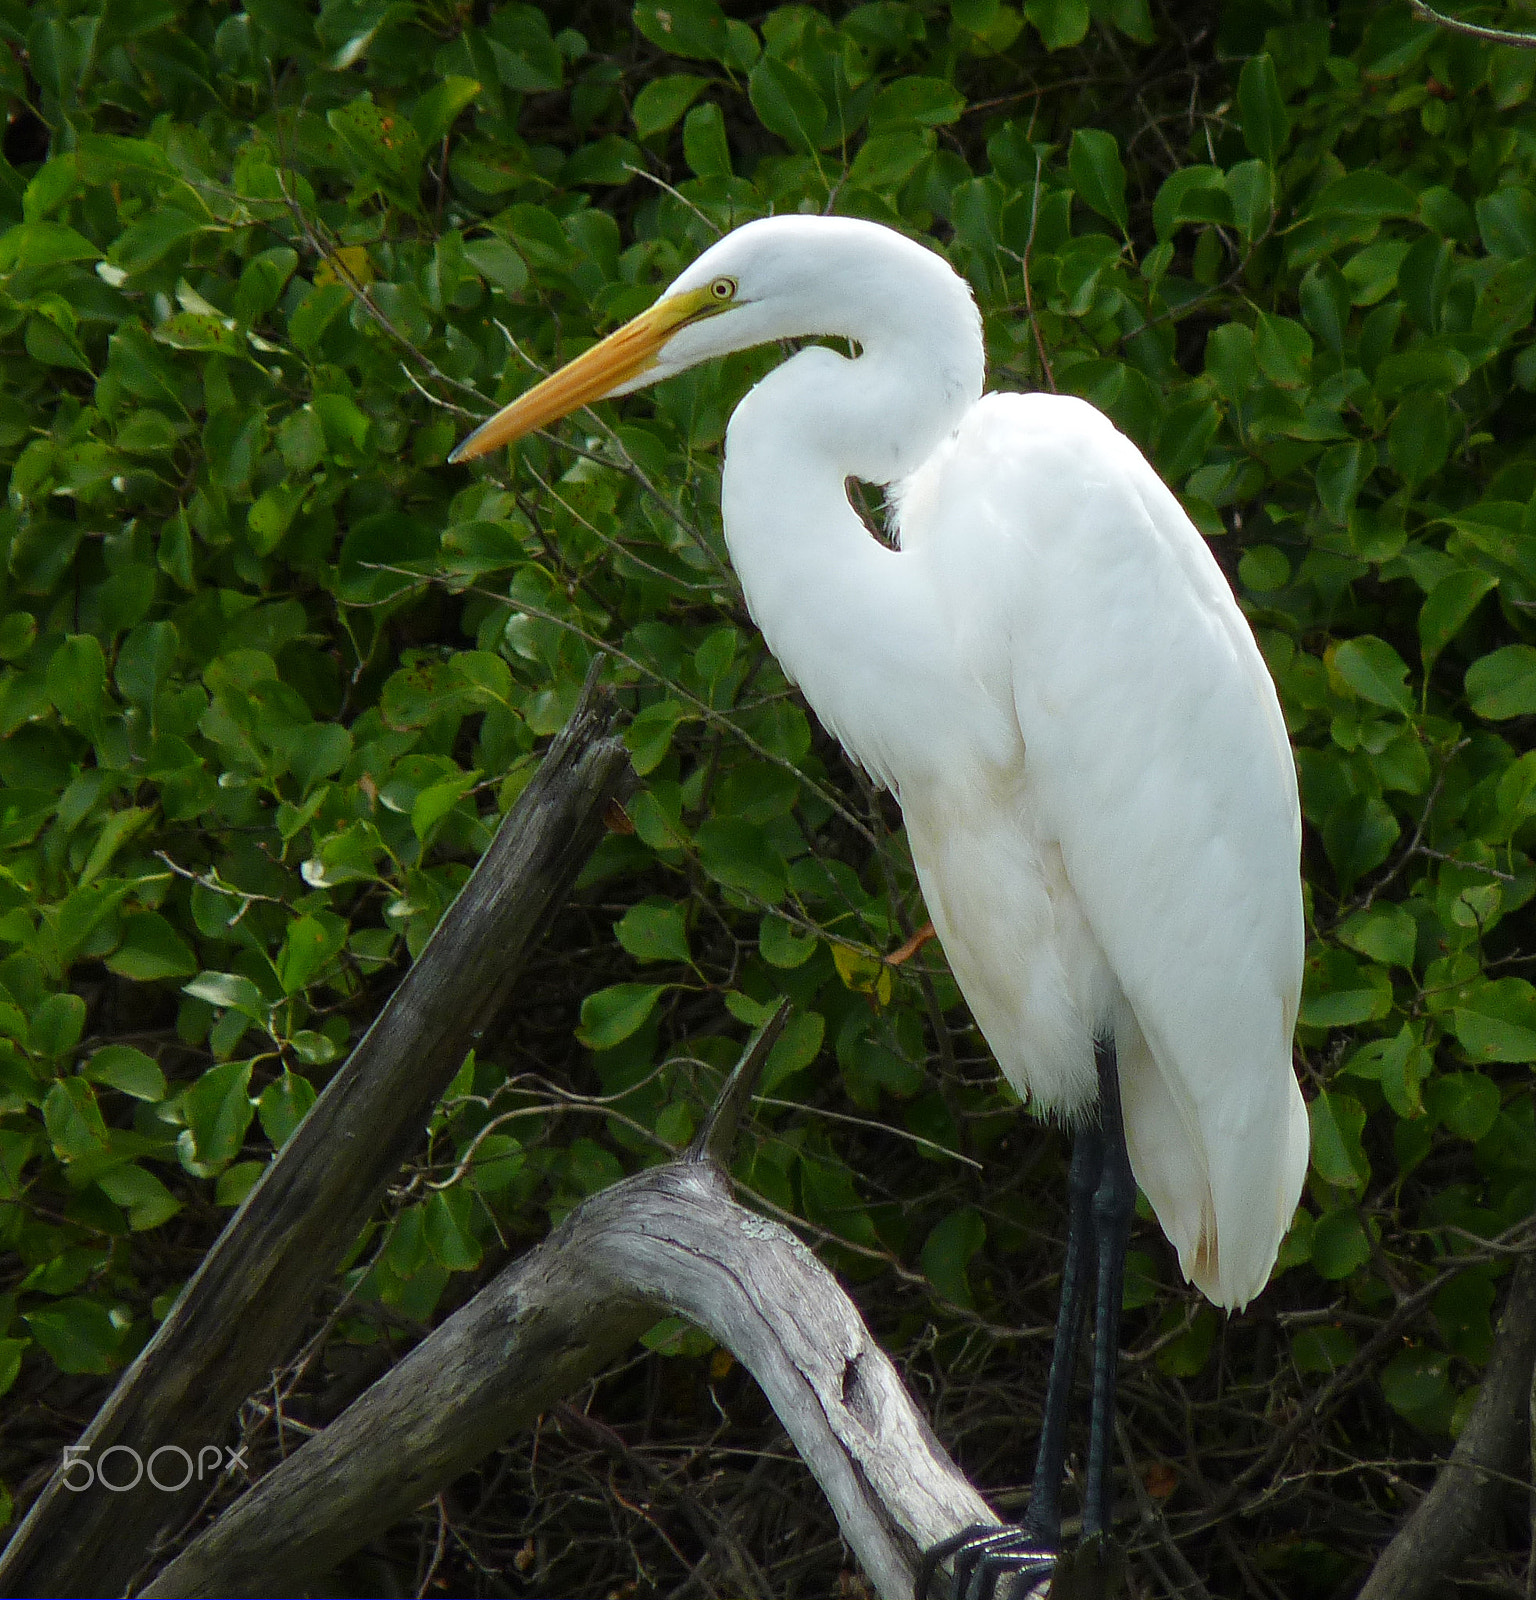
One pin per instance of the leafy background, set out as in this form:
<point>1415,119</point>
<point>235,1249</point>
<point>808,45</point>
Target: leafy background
<point>272,671</point>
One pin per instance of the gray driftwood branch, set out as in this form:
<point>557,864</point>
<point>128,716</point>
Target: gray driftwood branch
<point>668,1240</point>
<point>245,1309</point>
<point>1447,1523</point>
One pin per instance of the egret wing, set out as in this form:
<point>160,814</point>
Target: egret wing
<point>1157,758</point>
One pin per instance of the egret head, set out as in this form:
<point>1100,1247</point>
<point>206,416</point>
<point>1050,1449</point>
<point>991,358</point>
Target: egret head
<point>776,278</point>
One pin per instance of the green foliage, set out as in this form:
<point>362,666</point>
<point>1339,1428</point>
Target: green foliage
<point>271,669</point>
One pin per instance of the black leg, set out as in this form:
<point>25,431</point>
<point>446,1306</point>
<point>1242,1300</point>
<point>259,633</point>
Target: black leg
<point>1103,1200</point>
<point>1114,1205</point>
<point>1043,1519</point>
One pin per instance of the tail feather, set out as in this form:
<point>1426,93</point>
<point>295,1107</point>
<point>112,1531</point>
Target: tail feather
<point>1223,1184</point>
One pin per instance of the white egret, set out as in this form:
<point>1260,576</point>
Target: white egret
<point>1052,676</point>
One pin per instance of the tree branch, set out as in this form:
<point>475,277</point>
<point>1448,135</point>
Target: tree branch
<point>1447,1523</point>
<point>670,1240</point>
<point>245,1308</point>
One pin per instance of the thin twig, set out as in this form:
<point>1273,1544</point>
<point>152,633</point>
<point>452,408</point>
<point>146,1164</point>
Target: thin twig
<point>1521,41</point>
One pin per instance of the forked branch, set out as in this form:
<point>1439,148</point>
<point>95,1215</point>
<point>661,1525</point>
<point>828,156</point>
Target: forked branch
<point>671,1240</point>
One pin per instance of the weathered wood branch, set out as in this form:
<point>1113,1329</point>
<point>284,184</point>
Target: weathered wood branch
<point>668,1240</point>
<point>1447,1523</point>
<point>244,1310</point>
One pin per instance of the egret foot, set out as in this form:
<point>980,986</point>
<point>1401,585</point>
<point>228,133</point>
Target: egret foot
<point>1095,1570</point>
<point>986,1555</point>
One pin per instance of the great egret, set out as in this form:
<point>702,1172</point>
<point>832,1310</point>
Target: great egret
<point>1052,676</point>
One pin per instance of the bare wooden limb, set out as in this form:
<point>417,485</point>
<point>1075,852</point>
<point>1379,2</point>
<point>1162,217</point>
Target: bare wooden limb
<point>717,1135</point>
<point>1447,1523</point>
<point>668,1240</point>
<point>244,1310</point>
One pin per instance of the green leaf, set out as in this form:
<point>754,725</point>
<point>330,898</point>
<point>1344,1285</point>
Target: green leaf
<point>77,679</point>
<point>1358,835</point>
<point>1340,1245</point>
<point>948,1251</point>
<point>1340,992</point>
<point>1060,23</point>
<point>498,1163</point>
<point>924,102</point>
<point>788,104</point>
<point>1506,219</point>
<point>1448,607</point>
<point>1284,351</point>
<point>283,1105</point>
<point>228,989</point>
<point>262,281</point>
<point>1341,474</point>
<point>445,1227</point>
<point>201,331</point>
<point>796,1048</point>
<point>1385,933</point>
<point>309,944</point>
<point>130,1070</point>
<point>1466,1102</point>
<point>663,101</point>
<point>696,29</point>
<point>116,831</point>
<point>78,1335</point>
<point>437,800</point>
<point>1400,1065</point>
<point>655,930</point>
<point>141,1194</point>
<point>1191,194</point>
<point>218,1111</point>
<point>76,1129</point>
<point>1266,124</point>
<point>308,321</point>
<point>887,160</point>
<point>236,1182</point>
<point>1503,684</point>
<point>1338,1120</point>
<point>383,142</point>
<point>649,735</point>
<point>56,1025</point>
<point>705,147</point>
<point>43,244</point>
<point>1375,671</point>
<point>1098,174</point>
<point>782,946</point>
<point>1365,192</point>
<point>1496,1021</point>
<point>1187,1354</point>
<point>441,106</point>
<point>375,548</point>
<point>611,1015</point>
<point>1419,439</point>
<point>10,1361</point>
<point>741,857</point>
<point>146,243</point>
<point>1322,1350</point>
<point>1415,1380</point>
<point>498,263</point>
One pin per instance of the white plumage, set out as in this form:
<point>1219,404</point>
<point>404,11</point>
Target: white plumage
<point>1052,676</point>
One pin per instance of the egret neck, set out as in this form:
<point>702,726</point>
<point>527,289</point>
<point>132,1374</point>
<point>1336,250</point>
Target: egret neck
<point>809,567</point>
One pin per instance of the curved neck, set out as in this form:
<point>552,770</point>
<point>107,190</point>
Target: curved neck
<point>845,616</point>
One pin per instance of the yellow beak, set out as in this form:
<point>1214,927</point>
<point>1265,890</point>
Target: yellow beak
<point>621,358</point>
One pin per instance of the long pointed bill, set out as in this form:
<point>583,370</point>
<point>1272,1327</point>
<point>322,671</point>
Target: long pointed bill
<point>622,357</point>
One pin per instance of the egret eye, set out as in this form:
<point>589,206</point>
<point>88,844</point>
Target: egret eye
<point>723,289</point>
